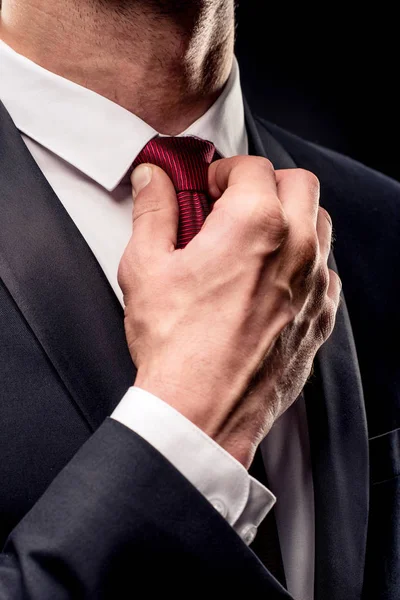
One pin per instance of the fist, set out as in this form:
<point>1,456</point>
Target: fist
<point>226,329</point>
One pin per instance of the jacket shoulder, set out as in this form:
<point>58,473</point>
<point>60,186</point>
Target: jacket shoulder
<point>342,176</point>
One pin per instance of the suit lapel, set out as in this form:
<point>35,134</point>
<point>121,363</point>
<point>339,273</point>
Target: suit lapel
<point>338,438</point>
<point>58,285</point>
<point>64,296</point>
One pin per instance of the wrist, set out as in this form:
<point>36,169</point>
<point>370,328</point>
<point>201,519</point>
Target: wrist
<point>241,440</point>
<point>173,390</point>
<point>205,402</point>
<point>239,437</point>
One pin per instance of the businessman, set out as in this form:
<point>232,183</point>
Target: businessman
<point>194,329</point>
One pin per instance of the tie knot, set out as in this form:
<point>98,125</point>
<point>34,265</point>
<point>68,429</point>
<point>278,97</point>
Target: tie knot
<point>184,159</point>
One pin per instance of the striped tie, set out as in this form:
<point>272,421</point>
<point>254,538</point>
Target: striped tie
<point>186,161</point>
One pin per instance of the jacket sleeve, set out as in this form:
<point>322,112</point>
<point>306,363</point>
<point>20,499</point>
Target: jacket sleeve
<point>120,521</point>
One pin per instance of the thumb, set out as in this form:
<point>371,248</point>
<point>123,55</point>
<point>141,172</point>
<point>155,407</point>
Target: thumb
<point>155,208</point>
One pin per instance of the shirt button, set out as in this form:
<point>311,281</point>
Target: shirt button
<point>248,534</point>
<point>219,507</point>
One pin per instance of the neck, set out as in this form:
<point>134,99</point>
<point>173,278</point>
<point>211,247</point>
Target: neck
<point>164,60</point>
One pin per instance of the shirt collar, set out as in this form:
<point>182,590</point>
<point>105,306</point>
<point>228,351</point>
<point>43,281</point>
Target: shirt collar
<point>94,134</point>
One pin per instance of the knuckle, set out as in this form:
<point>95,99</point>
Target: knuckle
<point>310,248</point>
<point>321,281</point>
<point>310,179</point>
<point>263,162</point>
<point>259,161</point>
<point>272,220</point>
<point>319,287</point>
<point>326,321</point>
<point>307,255</point>
<point>140,209</point>
<point>274,213</point>
<point>263,217</point>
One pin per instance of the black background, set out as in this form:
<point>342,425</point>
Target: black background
<point>329,74</point>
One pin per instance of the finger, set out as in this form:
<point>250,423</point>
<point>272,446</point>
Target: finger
<point>248,172</point>
<point>325,321</point>
<point>324,233</point>
<point>298,191</point>
<point>246,202</point>
<point>155,208</point>
<point>334,288</point>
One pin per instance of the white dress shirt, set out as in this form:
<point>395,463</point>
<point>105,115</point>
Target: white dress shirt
<point>84,144</point>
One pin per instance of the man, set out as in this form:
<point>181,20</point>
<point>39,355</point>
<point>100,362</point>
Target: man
<point>223,318</point>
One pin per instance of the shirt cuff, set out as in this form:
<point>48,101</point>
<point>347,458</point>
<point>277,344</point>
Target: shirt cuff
<point>222,480</point>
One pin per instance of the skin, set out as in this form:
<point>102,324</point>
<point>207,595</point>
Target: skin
<point>166,62</point>
<point>260,261</point>
<point>226,329</point>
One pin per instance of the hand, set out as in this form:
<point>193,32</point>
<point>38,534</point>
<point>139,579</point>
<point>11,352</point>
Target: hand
<point>226,329</point>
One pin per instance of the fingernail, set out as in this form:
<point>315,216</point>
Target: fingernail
<point>140,177</point>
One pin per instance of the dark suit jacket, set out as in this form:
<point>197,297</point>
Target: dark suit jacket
<point>93,511</point>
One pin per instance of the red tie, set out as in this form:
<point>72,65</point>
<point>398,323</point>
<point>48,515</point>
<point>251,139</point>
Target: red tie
<point>186,161</point>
